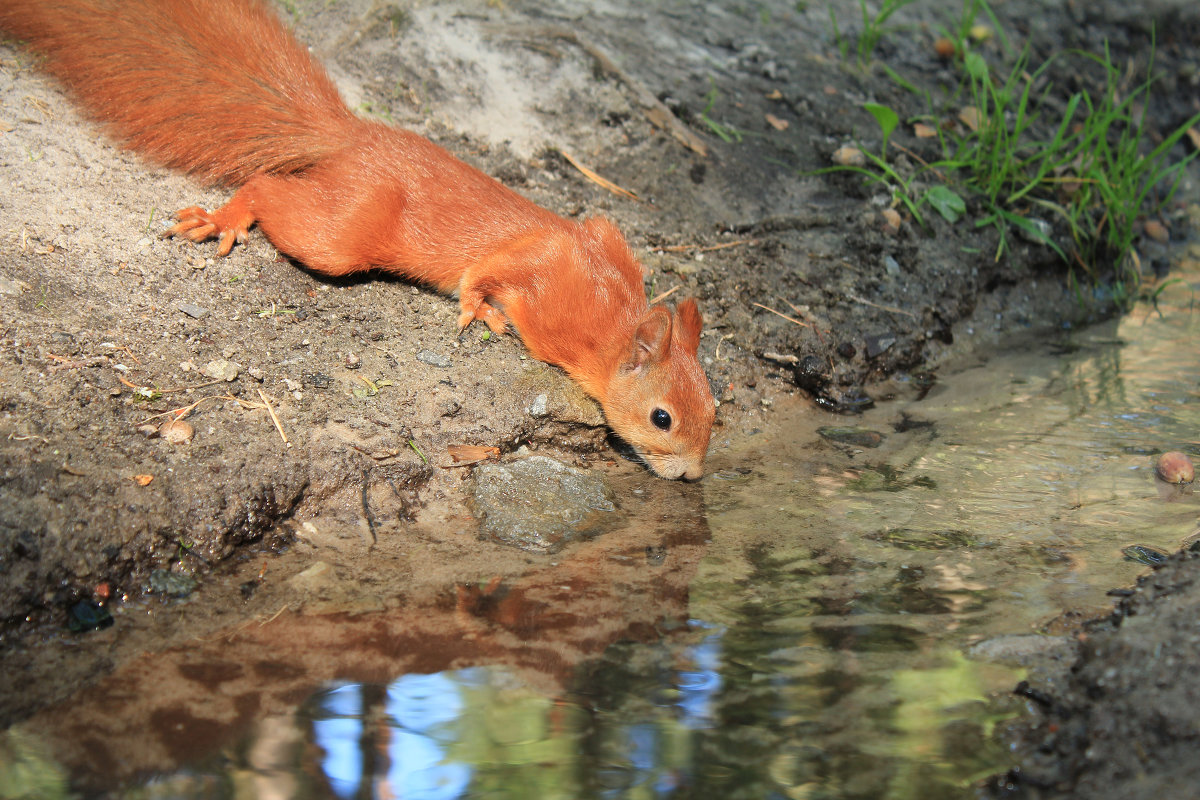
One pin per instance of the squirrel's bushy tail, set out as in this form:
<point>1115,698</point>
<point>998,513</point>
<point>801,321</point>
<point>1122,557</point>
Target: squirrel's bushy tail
<point>217,88</point>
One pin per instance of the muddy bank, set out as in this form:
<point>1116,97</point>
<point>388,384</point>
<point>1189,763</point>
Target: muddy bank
<point>1119,720</point>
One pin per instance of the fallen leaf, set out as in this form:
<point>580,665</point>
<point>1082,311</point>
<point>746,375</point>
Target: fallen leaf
<point>143,480</point>
<point>464,454</point>
<point>777,123</point>
<point>177,431</point>
<point>775,95</point>
<point>970,117</point>
<point>1194,136</point>
<point>923,131</point>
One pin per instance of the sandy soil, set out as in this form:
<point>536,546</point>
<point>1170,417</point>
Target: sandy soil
<point>367,378</point>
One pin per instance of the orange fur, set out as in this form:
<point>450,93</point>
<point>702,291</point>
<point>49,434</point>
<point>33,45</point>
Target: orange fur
<point>220,89</point>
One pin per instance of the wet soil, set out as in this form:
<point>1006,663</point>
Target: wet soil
<point>1119,719</point>
<point>104,327</point>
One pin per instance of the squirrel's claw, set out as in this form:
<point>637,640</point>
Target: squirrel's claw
<point>197,225</point>
<point>228,238</point>
<point>485,312</point>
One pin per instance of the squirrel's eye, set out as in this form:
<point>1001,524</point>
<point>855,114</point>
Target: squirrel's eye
<point>661,419</point>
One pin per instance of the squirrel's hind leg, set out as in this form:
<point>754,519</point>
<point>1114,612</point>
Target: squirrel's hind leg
<point>309,218</point>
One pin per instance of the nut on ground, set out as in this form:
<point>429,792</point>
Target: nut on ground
<point>1175,467</point>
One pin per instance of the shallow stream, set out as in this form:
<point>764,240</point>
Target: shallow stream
<point>838,611</point>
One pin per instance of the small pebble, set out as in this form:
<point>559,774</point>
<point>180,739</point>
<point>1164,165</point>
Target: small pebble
<point>222,370</point>
<point>87,616</point>
<point>538,407</point>
<point>172,584</point>
<point>433,359</point>
<point>192,310</point>
<point>1157,231</point>
<point>849,157</point>
<point>10,286</point>
<point>891,218</point>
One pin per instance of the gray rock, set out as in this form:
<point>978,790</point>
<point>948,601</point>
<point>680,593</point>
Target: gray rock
<point>540,504</point>
<point>538,407</point>
<point>433,359</point>
<point>192,310</point>
<point>222,370</point>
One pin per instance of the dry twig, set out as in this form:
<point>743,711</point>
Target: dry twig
<point>666,294</point>
<point>892,309</point>
<point>274,418</point>
<point>781,314</point>
<point>683,248</point>
<point>598,179</point>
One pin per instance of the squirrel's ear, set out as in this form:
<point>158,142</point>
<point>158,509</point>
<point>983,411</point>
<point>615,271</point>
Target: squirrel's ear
<point>687,314</point>
<point>651,340</point>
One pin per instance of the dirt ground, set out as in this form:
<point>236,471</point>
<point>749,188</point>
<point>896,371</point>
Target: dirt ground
<point>104,327</point>
<point>1121,720</point>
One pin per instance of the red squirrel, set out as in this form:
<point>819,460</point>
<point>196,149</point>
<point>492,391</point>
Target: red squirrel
<point>220,89</point>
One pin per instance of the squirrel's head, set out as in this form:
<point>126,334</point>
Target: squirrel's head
<point>658,399</point>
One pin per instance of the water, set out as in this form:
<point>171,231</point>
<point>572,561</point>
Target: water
<point>796,628</point>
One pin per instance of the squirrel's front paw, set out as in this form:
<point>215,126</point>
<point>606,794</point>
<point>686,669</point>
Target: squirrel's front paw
<point>228,223</point>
